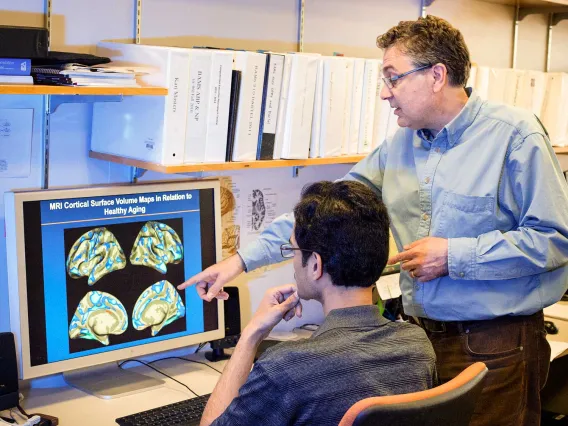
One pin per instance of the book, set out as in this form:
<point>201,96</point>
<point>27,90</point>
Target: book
<point>219,103</point>
<point>282,107</point>
<point>316,117</point>
<point>233,110</point>
<point>12,66</point>
<point>355,104</point>
<point>252,66</point>
<point>333,106</point>
<point>370,77</point>
<point>16,79</point>
<point>555,108</point>
<point>349,73</point>
<point>270,105</point>
<point>197,105</point>
<point>300,105</point>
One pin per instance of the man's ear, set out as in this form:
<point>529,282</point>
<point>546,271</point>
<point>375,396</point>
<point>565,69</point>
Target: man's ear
<point>440,73</point>
<point>315,266</point>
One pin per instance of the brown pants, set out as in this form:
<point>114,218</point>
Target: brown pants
<point>517,355</point>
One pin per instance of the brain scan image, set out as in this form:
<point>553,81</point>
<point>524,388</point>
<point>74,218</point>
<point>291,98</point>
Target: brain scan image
<point>258,209</point>
<point>159,305</point>
<point>95,254</point>
<point>231,239</point>
<point>227,201</point>
<point>98,315</point>
<point>156,245</point>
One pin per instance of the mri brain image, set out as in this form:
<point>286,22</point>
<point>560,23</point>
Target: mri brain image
<point>95,254</point>
<point>159,305</point>
<point>156,245</point>
<point>258,209</point>
<point>98,315</point>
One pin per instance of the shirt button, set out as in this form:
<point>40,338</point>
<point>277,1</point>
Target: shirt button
<point>427,180</point>
<point>438,150</point>
<point>425,216</point>
<point>462,274</point>
<point>416,287</point>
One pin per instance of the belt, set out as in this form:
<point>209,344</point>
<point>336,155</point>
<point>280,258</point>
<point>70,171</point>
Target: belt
<point>453,327</point>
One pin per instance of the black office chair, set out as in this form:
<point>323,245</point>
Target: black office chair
<point>449,404</point>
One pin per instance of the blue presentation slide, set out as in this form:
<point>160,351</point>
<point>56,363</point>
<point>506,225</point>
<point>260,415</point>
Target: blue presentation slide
<point>111,266</point>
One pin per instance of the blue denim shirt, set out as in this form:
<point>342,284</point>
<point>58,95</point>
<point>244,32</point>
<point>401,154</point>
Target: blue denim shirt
<point>491,184</point>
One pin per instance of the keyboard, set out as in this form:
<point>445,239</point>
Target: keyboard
<point>183,413</point>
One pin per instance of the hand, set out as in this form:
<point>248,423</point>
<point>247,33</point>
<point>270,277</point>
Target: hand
<point>278,303</point>
<point>425,259</point>
<point>216,276</point>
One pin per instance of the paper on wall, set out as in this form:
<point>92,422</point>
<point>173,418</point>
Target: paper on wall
<point>15,142</point>
<point>388,286</point>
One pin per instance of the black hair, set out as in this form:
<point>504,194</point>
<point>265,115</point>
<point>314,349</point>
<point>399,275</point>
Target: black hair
<point>347,224</point>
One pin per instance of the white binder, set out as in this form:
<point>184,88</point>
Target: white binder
<point>300,105</point>
<point>252,65</point>
<point>146,128</point>
<point>333,106</point>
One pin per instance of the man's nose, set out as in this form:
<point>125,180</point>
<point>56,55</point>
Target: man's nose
<point>385,93</point>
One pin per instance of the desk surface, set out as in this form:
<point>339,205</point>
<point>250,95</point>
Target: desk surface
<point>74,407</point>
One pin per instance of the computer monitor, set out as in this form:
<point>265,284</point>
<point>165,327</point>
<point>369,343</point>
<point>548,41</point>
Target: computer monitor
<point>92,275</point>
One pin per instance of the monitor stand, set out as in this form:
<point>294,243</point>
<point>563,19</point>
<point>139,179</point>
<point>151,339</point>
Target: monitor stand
<point>109,381</point>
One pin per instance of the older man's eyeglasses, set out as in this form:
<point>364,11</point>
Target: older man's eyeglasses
<point>287,250</point>
<point>391,81</point>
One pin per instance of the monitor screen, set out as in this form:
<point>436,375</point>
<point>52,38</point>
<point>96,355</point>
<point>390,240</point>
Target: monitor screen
<point>98,269</point>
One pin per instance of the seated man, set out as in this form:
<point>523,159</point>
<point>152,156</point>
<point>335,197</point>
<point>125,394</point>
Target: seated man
<point>339,247</point>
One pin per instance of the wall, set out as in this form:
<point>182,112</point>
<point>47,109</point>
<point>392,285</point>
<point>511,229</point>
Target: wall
<point>331,25</point>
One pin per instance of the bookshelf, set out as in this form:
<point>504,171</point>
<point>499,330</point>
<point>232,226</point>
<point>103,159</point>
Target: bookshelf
<point>240,165</point>
<point>16,89</point>
<point>236,165</point>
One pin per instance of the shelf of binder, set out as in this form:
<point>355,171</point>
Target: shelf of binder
<point>80,90</point>
<point>234,165</point>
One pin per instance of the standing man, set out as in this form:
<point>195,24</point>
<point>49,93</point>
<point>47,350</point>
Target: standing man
<point>479,211</point>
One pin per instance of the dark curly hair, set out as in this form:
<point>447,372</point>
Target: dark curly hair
<point>429,41</point>
<point>348,226</point>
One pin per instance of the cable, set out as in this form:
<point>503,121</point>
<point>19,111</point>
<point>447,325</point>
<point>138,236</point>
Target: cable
<point>199,347</point>
<point>158,371</point>
<point>19,407</point>
<point>187,360</point>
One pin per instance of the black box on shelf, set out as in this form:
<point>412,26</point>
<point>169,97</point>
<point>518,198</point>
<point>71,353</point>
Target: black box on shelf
<point>23,42</point>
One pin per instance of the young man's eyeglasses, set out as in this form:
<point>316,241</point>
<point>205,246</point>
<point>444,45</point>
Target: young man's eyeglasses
<point>391,81</point>
<point>287,250</point>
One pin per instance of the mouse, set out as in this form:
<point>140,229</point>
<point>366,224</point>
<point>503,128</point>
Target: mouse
<point>550,327</point>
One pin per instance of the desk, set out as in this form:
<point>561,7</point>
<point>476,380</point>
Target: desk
<point>76,408</point>
<point>554,396</point>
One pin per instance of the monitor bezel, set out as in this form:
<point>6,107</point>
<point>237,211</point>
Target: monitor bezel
<point>17,288</point>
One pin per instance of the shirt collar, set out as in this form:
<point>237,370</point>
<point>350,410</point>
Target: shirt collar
<point>455,128</point>
<point>357,316</point>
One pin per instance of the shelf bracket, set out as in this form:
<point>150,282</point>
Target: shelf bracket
<point>423,5</point>
<point>296,171</point>
<point>58,100</point>
<point>136,173</point>
<point>526,11</point>
<point>558,17</point>
<point>302,7</point>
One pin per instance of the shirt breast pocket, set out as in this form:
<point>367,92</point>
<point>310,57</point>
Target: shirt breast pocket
<point>466,215</point>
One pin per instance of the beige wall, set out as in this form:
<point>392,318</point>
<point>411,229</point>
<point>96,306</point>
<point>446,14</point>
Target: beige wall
<point>560,47</point>
<point>531,50</point>
<point>487,28</point>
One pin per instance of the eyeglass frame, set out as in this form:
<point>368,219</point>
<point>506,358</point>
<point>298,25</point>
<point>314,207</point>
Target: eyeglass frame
<point>390,82</point>
<point>289,246</point>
